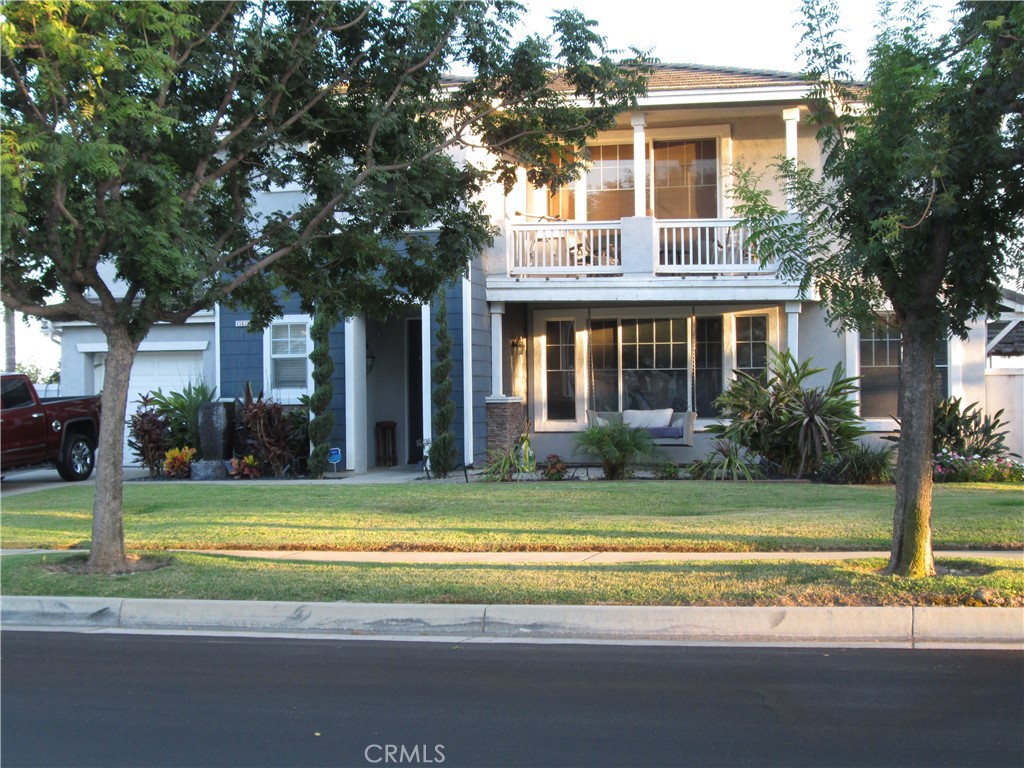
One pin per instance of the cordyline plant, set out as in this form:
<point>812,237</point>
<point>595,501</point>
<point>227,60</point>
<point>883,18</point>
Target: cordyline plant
<point>919,207</point>
<point>139,140</point>
<point>791,426</point>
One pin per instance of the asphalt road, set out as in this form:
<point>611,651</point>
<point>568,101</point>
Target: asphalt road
<point>131,700</point>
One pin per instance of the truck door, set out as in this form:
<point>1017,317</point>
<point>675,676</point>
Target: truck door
<point>22,423</point>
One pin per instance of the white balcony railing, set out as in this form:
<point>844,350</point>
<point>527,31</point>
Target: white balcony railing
<point>565,248</point>
<point>704,245</point>
<point>647,247</point>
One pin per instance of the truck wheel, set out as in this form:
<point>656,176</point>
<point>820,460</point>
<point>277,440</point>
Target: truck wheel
<point>77,458</point>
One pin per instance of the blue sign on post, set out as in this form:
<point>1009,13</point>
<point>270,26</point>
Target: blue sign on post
<point>334,456</point>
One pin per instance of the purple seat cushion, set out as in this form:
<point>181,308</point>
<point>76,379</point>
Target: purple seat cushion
<point>668,432</point>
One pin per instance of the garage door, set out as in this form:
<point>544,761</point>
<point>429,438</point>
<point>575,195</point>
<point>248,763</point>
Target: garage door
<point>167,371</point>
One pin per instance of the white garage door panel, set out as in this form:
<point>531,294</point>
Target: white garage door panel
<point>166,371</point>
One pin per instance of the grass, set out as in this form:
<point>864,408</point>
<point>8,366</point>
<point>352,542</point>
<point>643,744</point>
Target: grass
<point>204,576</point>
<point>627,516</point>
<point>647,516</point>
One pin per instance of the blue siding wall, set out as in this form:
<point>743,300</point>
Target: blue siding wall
<point>241,352</point>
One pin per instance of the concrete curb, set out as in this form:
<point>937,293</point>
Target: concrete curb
<point>1002,627</point>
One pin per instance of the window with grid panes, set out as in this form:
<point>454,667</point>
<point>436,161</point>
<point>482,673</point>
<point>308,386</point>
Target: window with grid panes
<point>560,364</point>
<point>881,358</point>
<point>288,356</point>
<point>751,343</point>
<point>654,364</point>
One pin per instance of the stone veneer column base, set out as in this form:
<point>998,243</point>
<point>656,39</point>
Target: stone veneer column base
<point>506,418</point>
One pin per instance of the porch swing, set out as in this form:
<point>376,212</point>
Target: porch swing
<point>667,427</point>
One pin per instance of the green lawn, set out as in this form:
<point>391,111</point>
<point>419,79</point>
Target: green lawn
<point>212,577</point>
<point>640,516</point>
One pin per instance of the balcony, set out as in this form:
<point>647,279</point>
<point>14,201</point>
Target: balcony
<point>640,247</point>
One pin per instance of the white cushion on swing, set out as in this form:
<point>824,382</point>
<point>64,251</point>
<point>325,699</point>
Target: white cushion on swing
<point>659,417</point>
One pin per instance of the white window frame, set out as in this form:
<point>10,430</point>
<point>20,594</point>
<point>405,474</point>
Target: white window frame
<point>287,395</point>
<point>541,317</point>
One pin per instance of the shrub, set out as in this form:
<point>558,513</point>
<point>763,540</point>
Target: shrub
<point>149,436</point>
<point>617,446</point>
<point>442,447</point>
<point>274,436</point>
<point>245,468</point>
<point>182,411</point>
<point>950,467</point>
<point>178,462</point>
<point>725,462</point>
<point>667,470</point>
<point>861,465</point>
<point>966,431</point>
<point>501,465</point>
<point>554,468</point>
<point>791,427</point>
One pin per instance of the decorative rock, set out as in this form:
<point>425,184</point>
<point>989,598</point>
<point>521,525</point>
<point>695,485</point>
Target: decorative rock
<point>215,433</point>
<point>208,470</point>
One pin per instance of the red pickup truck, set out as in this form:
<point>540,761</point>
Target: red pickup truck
<point>55,430</point>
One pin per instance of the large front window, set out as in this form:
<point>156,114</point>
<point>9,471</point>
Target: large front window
<point>640,364</point>
<point>646,363</point>
<point>881,358</point>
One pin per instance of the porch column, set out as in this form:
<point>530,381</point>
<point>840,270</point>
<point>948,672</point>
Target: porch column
<point>639,123</point>
<point>793,328</point>
<point>497,314</point>
<point>355,395</point>
<point>428,363</point>
<point>792,118</point>
<point>467,368</point>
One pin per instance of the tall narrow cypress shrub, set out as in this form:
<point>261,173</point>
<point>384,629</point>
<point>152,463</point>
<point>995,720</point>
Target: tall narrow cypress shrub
<point>322,417</point>
<point>442,446</point>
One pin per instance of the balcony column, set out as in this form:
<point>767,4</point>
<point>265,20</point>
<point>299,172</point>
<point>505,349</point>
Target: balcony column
<point>793,328</point>
<point>792,119</point>
<point>639,122</point>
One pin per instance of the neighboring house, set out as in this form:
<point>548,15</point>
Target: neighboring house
<point>630,290</point>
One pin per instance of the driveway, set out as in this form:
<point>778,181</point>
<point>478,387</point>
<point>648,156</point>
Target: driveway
<point>27,480</point>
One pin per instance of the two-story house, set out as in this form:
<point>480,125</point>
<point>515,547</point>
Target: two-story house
<point>631,289</point>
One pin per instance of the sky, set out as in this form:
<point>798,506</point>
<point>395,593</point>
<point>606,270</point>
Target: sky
<point>754,34</point>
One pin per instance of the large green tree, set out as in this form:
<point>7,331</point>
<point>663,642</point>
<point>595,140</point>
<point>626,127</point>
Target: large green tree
<point>919,209</point>
<point>146,145</point>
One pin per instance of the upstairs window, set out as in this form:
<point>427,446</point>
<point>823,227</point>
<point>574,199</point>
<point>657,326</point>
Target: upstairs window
<point>610,183</point>
<point>685,179</point>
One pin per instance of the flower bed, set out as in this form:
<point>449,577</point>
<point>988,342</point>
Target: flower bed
<point>951,467</point>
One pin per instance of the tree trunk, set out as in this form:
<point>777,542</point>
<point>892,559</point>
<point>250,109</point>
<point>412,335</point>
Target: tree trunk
<point>911,553</point>
<point>11,346</point>
<point>107,554</point>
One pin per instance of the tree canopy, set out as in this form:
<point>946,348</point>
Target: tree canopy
<point>919,208</point>
<point>159,157</point>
